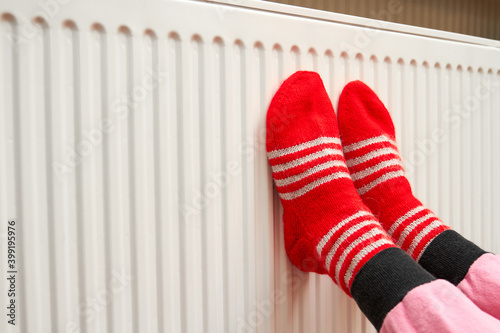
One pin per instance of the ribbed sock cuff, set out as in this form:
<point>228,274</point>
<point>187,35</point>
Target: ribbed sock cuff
<point>384,281</point>
<point>449,256</point>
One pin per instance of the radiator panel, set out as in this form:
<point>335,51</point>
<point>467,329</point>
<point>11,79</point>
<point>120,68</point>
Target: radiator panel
<point>133,141</point>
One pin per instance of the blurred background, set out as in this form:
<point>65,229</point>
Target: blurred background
<point>477,18</point>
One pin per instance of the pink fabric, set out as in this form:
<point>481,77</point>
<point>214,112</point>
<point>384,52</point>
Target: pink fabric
<point>482,284</point>
<point>441,307</point>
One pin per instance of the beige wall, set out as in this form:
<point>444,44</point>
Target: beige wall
<point>478,18</point>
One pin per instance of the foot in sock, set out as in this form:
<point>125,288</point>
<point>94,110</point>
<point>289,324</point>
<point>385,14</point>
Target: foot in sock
<point>327,227</point>
<point>368,140</point>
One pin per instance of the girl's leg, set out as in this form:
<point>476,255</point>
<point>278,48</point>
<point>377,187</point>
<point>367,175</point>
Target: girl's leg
<point>391,291</point>
<point>371,152</point>
<point>482,284</point>
<point>328,229</point>
<point>438,306</point>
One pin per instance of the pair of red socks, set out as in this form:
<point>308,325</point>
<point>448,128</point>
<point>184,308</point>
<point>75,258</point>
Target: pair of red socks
<point>349,211</point>
<point>332,185</point>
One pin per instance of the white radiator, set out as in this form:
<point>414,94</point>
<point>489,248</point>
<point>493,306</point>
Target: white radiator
<point>132,157</point>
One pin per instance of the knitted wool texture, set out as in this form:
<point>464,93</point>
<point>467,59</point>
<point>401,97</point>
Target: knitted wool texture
<point>327,228</point>
<point>373,159</point>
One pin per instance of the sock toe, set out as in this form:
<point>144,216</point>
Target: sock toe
<point>299,98</point>
<point>359,106</point>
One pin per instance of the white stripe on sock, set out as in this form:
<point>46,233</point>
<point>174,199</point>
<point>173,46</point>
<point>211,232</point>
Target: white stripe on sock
<point>308,172</point>
<point>355,261</point>
<point>313,185</point>
<point>296,162</point>
<point>370,234</point>
<point>339,225</point>
<point>380,180</point>
<point>422,234</point>
<point>370,155</point>
<point>423,250</point>
<point>403,218</point>
<point>346,234</point>
<point>371,170</point>
<point>409,228</point>
<point>302,146</point>
<point>367,142</point>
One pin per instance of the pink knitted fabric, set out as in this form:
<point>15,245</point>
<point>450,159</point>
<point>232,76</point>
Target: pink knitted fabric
<point>438,306</point>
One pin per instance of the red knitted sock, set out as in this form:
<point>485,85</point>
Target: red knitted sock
<point>368,139</point>
<point>327,227</point>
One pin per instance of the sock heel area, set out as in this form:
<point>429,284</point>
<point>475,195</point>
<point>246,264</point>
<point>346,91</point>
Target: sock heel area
<point>299,248</point>
<point>301,254</point>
